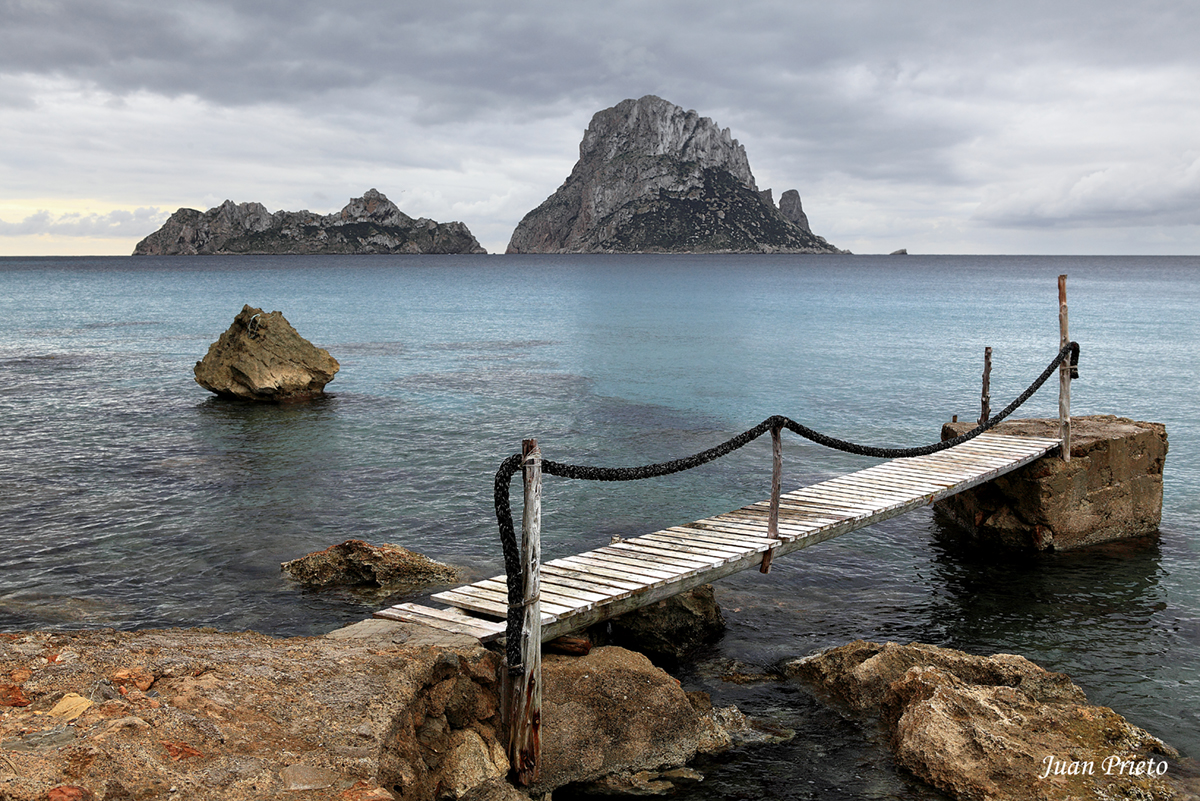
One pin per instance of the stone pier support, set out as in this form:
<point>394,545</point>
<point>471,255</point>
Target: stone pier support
<point>1110,490</point>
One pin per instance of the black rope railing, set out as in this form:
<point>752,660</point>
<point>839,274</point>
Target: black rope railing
<point>508,540</point>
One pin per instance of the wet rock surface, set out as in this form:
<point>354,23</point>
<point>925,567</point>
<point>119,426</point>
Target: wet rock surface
<point>997,727</point>
<point>357,563</point>
<point>261,357</point>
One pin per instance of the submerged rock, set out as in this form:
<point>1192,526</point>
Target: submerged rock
<point>357,563</point>
<point>996,727</point>
<point>652,177</point>
<point>262,358</point>
<point>368,224</point>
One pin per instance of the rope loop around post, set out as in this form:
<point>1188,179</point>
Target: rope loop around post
<point>509,467</point>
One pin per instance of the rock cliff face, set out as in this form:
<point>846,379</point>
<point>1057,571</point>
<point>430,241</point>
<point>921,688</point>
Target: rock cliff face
<point>652,177</point>
<point>368,224</point>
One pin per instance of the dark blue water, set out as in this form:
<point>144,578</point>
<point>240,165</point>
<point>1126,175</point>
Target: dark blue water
<point>130,497</point>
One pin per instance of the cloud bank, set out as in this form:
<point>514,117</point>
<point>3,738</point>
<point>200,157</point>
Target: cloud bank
<point>944,127</point>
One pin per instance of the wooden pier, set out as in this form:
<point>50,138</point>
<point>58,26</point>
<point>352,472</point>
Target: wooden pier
<point>538,602</point>
<point>577,591</point>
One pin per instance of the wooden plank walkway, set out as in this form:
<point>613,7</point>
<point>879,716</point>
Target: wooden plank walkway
<point>577,591</point>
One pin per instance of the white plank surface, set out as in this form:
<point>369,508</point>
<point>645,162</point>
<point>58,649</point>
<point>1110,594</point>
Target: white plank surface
<point>623,575</point>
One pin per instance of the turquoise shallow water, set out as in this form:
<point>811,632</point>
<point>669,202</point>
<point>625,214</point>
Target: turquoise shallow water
<point>129,497</point>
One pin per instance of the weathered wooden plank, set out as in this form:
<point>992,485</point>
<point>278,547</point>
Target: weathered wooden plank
<point>484,605</point>
<point>636,567</point>
<point>790,524</point>
<point>574,573</point>
<point>699,543</point>
<point>635,581</point>
<point>671,567</point>
<point>500,596</point>
<point>552,597</point>
<point>445,620</point>
<point>797,514</point>
<point>872,487</point>
<point>682,553</point>
<point>720,536</point>
<point>744,545</point>
<point>840,498</point>
<point>610,587</point>
<point>574,589</point>
<point>913,482</point>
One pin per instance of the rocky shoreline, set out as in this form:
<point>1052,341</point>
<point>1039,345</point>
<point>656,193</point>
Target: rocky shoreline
<point>382,710</point>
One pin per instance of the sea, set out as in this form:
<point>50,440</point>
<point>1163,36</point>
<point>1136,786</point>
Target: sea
<point>132,498</point>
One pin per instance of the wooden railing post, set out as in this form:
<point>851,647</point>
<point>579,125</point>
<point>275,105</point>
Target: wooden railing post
<point>525,702</point>
<point>776,487</point>
<point>985,397</point>
<point>1064,373</point>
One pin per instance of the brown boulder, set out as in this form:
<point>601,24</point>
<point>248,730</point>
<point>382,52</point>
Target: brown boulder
<point>860,673</point>
<point>262,358</point>
<point>355,562</point>
<point>612,712</point>
<point>995,727</point>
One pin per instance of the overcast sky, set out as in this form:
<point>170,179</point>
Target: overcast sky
<point>944,127</point>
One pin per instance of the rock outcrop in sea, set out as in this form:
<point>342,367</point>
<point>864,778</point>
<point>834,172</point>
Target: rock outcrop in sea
<point>998,727</point>
<point>368,224</point>
<point>654,178</point>
<point>261,357</point>
<point>358,563</point>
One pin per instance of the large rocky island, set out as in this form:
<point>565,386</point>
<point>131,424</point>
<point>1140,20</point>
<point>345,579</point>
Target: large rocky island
<point>652,177</point>
<point>368,224</point>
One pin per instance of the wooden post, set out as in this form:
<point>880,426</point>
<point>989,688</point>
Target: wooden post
<point>776,486</point>
<point>525,703</point>
<point>1064,374</point>
<point>985,397</point>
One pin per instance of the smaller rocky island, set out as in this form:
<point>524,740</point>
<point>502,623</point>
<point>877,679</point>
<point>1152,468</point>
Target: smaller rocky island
<point>654,178</point>
<point>368,224</point>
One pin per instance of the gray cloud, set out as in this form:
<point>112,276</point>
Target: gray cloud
<point>115,224</point>
<point>1011,108</point>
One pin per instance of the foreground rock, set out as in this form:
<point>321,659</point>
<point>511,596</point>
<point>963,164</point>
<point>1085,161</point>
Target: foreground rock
<point>202,715</point>
<point>369,224</point>
<point>357,563</point>
<point>372,712</point>
<point>1111,489</point>
<point>652,177</point>
<point>262,358</point>
<point>996,727</point>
